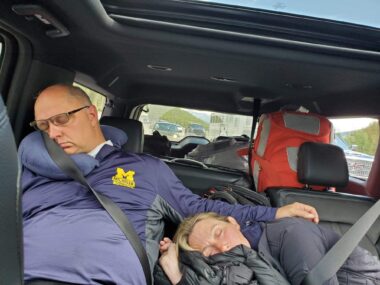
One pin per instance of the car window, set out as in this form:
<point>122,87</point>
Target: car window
<point>99,100</point>
<point>357,12</point>
<point>358,137</point>
<point>177,123</point>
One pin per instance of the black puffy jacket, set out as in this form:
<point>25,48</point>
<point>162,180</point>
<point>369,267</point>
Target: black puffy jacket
<point>240,265</point>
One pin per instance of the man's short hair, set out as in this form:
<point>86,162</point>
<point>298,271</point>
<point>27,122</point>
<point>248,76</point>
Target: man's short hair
<point>73,91</point>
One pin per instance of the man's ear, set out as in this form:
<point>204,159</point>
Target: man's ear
<point>93,113</point>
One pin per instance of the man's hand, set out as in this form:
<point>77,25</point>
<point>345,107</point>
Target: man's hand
<point>169,260</point>
<point>298,210</point>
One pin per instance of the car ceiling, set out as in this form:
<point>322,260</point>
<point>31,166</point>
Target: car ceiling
<point>114,45</point>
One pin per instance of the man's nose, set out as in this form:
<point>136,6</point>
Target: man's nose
<point>54,131</point>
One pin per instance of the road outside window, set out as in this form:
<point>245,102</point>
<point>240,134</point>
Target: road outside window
<point>177,123</point>
<point>358,137</point>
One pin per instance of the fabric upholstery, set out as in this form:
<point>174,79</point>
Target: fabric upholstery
<point>338,211</point>
<point>11,270</point>
<point>134,130</point>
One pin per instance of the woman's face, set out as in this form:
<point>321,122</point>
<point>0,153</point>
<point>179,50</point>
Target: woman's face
<point>211,236</point>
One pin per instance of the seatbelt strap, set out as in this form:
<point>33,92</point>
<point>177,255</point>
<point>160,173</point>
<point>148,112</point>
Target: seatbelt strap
<point>68,166</point>
<point>255,118</point>
<point>337,255</point>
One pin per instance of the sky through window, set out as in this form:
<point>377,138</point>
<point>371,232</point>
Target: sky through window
<point>363,12</point>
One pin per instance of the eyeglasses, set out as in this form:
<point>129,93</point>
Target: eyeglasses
<point>56,120</point>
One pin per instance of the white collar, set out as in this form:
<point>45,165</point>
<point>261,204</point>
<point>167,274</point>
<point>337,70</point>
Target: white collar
<point>95,151</point>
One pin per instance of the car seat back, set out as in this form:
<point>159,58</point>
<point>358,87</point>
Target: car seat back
<point>325,164</point>
<point>338,211</point>
<point>134,130</point>
<point>11,264</point>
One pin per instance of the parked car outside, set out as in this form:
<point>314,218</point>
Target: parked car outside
<point>359,164</point>
<point>195,130</point>
<point>172,131</point>
<point>181,130</point>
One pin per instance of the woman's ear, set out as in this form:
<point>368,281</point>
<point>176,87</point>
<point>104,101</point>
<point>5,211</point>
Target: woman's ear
<point>232,220</point>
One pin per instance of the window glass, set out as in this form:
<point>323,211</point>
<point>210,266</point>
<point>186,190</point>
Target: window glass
<point>358,137</point>
<point>357,12</point>
<point>99,100</point>
<point>177,123</point>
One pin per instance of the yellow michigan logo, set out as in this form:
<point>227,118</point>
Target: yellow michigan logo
<point>123,178</point>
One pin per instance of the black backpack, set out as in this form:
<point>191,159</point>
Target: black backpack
<point>235,194</point>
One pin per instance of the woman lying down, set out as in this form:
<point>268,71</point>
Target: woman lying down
<point>214,250</point>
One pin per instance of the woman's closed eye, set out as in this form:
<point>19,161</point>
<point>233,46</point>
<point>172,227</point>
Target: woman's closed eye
<point>218,232</point>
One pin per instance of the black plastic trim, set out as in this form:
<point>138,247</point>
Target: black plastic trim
<point>249,21</point>
<point>57,29</point>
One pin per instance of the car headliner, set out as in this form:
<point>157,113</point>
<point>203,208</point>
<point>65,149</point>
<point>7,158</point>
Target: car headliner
<point>329,68</point>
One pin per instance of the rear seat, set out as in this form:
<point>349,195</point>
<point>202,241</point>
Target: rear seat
<point>322,164</point>
<point>194,177</point>
<point>199,180</point>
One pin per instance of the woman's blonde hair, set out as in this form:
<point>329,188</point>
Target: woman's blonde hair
<point>181,237</point>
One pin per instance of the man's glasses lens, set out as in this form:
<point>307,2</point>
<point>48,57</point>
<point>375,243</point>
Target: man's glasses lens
<point>41,125</point>
<point>60,119</point>
<point>57,120</point>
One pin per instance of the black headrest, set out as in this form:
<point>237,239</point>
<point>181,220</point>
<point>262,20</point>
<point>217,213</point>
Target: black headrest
<point>157,145</point>
<point>322,164</point>
<point>11,270</point>
<point>133,128</point>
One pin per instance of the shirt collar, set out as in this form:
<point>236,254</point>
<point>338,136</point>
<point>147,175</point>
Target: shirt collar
<point>95,151</point>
